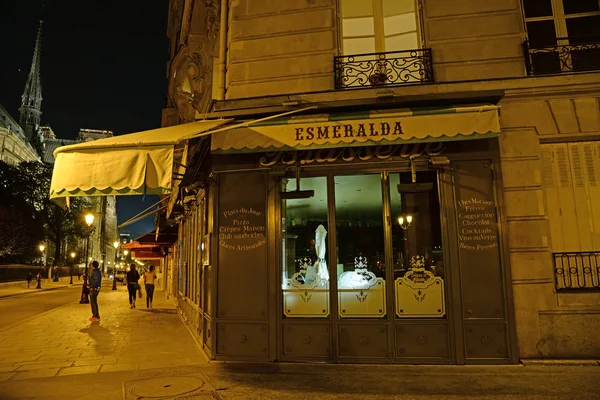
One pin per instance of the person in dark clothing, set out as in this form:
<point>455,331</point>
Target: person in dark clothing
<point>94,286</point>
<point>28,280</point>
<point>132,281</point>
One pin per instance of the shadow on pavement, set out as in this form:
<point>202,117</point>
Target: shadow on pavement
<point>159,310</point>
<point>410,381</point>
<point>101,336</point>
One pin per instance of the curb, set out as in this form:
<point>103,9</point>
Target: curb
<point>34,291</point>
<point>560,362</point>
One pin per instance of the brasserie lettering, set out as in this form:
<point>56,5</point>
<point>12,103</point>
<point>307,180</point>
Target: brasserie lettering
<point>322,132</point>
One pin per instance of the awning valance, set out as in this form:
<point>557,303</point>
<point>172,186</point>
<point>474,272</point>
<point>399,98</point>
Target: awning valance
<point>361,129</point>
<point>137,163</point>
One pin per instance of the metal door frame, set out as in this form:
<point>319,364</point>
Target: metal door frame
<point>390,320</point>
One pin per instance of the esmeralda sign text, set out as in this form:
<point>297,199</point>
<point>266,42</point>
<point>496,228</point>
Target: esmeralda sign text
<point>338,131</point>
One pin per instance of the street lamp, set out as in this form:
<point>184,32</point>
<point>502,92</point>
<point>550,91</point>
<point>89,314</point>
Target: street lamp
<point>39,281</point>
<point>116,245</point>
<point>89,220</point>
<point>71,269</point>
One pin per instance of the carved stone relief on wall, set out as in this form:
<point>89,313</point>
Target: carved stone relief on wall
<point>190,73</point>
<point>189,83</point>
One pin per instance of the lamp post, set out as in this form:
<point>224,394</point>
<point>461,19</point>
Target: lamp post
<point>116,244</point>
<point>71,269</point>
<point>89,220</point>
<point>39,281</point>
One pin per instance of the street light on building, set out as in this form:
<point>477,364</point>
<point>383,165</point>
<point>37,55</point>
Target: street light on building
<point>116,245</point>
<point>89,220</point>
<point>71,269</point>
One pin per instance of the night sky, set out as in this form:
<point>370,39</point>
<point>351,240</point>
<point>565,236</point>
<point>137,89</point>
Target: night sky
<point>102,67</point>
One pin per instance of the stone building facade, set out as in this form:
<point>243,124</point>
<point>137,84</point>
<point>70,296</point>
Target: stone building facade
<point>538,63</point>
<point>15,147</point>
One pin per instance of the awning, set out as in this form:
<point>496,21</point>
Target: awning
<point>137,163</point>
<point>148,254</point>
<point>361,129</point>
<point>137,245</point>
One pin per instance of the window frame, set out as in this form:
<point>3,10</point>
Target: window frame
<point>378,27</point>
<point>558,17</point>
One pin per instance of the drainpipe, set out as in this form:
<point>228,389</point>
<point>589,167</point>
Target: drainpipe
<point>222,49</point>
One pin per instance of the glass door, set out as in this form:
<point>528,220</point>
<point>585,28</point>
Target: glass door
<point>377,282</point>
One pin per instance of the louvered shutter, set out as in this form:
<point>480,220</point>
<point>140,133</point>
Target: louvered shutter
<point>571,183</point>
<point>580,196</point>
<point>550,185</point>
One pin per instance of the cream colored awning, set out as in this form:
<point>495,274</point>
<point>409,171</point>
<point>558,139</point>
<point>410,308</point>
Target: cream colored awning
<point>137,163</point>
<point>361,128</point>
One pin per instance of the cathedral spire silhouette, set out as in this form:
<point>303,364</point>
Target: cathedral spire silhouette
<point>31,100</point>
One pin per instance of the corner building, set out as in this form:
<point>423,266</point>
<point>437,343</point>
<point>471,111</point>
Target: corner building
<point>397,181</point>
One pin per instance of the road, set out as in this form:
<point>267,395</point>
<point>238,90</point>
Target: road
<point>20,308</point>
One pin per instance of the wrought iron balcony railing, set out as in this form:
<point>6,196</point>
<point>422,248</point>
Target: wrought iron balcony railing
<point>568,55</point>
<point>577,270</point>
<point>383,69</point>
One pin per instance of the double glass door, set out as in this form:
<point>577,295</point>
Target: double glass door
<point>365,246</point>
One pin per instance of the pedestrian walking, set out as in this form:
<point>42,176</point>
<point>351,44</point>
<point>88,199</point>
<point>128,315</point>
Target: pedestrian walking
<point>132,284</point>
<point>29,277</point>
<point>38,280</point>
<point>94,288</point>
<point>149,278</point>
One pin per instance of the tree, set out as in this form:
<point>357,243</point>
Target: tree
<point>16,240</point>
<point>24,189</point>
<point>61,224</point>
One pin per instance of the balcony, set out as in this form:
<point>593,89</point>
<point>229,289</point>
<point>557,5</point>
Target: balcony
<point>577,271</point>
<point>565,56</point>
<point>383,69</point>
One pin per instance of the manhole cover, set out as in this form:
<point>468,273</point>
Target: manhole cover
<point>168,387</point>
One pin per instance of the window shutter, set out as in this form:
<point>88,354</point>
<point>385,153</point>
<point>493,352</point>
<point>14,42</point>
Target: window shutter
<point>580,196</point>
<point>591,153</point>
<point>547,168</point>
<point>566,198</point>
<point>550,186</point>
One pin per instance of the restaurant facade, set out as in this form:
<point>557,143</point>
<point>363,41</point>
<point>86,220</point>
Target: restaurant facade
<point>424,202</point>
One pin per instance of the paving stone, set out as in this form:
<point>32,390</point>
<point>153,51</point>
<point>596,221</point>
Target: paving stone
<point>119,367</point>
<point>37,373</point>
<point>43,365</point>
<point>95,361</point>
<point>88,369</point>
<point>8,367</point>
<point>4,376</point>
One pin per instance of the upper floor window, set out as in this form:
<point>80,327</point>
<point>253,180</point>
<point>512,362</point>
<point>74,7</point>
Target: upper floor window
<point>377,26</point>
<point>563,35</point>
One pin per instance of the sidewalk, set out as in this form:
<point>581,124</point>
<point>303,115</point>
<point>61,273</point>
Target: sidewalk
<point>63,341</point>
<point>20,288</point>
<point>142,354</point>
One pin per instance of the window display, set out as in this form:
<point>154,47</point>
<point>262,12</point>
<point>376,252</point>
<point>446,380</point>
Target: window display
<point>360,246</point>
<point>417,245</point>
<point>304,244</point>
<point>360,267</point>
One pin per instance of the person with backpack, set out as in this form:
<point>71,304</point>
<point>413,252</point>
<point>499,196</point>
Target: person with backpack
<point>132,284</point>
